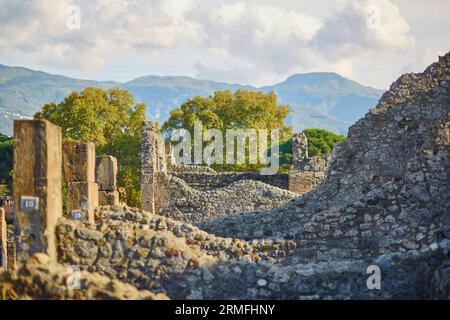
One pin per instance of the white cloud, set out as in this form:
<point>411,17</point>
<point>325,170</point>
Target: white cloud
<point>362,26</point>
<point>254,41</point>
<point>36,30</point>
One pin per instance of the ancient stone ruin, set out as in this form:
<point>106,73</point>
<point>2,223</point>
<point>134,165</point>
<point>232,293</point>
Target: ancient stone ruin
<point>79,173</point>
<point>384,205</point>
<point>193,193</point>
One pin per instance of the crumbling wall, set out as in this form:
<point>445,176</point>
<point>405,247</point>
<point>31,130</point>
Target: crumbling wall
<point>388,185</point>
<point>143,248</point>
<point>205,181</point>
<point>42,279</point>
<point>187,204</point>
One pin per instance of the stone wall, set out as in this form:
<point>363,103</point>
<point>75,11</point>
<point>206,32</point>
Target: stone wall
<point>387,189</point>
<point>205,181</point>
<point>191,205</point>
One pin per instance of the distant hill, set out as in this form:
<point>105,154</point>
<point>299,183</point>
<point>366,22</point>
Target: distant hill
<point>317,100</point>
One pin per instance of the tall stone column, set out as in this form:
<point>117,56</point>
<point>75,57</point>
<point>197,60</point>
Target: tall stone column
<point>153,162</point>
<point>148,166</point>
<point>37,186</point>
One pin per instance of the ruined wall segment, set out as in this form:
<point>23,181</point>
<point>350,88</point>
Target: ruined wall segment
<point>387,189</point>
<point>307,172</point>
<point>37,186</point>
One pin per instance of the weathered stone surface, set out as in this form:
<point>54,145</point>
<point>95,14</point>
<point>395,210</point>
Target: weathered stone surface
<point>11,248</point>
<point>39,279</point>
<point>108,198</point>
<point>299,150</point>
<point>79,161</point>
<point>181,202</point>
<point>37,149</point>
<point>302,182</point>
<point>83,196</point>
<point>153,160</point>
<point>37,173</point>
<point>380,173</point>
<point>106,173</point>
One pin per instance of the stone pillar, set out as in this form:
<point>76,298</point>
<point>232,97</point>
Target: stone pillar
<point>37,186</point>
<point>153,161</point>
<point>106,176</point>
<point>11,249</point>
<point>299,150</point>
<point>79,173</point>
<point>148,166</point>
<point>3,240</point>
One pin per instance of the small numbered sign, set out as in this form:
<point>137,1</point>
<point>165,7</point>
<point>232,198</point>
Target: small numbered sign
<point>76,215</point>
<point>29,204</point>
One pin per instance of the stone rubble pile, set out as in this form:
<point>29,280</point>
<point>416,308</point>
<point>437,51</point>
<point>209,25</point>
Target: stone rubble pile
<point>38,278</point>
<point>195,206</point>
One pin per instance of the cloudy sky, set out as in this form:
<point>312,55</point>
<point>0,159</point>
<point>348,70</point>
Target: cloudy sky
<point>255,42</point>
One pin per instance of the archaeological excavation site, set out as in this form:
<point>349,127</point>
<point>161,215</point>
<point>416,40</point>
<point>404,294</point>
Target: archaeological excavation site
<point>371,221</point>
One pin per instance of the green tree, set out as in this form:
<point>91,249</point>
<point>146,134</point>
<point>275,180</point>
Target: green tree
<point>6,164</point>
<point>112,120</point>
<point>321,142</point>
<point>227,110</point>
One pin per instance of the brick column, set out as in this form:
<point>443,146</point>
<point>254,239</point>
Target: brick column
<point>79,173</point>
<point>37,186</point>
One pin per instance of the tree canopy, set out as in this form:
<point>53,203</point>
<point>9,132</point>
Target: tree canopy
<point>231,110</point>
<point>321,142</point>
<point>112,120</point>
<point>6,160</point>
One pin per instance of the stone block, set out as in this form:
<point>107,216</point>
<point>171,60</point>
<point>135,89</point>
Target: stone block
<point>37,149</point>
<point>79,161</point>
<point>37,186</point>
<point>82,196</point>
<point>3,240</point>
<point>108,198</point>
<point>106,173</point>
<point>301,182</point>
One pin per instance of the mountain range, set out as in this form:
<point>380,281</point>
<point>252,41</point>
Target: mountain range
<point>317,100</point>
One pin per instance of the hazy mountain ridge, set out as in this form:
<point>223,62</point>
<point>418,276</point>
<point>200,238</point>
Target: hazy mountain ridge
<point>323,100</point>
